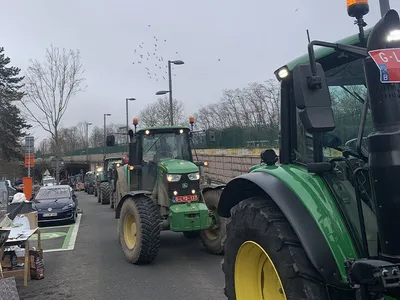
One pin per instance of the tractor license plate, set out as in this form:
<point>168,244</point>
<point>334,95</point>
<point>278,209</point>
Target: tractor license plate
<point>50,215</point>
<point>185,198</point>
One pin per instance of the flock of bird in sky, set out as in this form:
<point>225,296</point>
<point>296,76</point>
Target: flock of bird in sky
<point>150,57</point>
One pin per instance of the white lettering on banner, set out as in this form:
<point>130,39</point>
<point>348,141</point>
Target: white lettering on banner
<point>383,57</point>
<point>395,56</point>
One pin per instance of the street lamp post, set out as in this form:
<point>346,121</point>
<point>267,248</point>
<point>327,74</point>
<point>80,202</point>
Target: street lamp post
<point>105,134</point>
<point>171,112</point>
<point>127,119</point>
<point>87,141</point>
<point>385,6</point>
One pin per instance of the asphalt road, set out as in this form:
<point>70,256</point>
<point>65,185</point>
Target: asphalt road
<point>96,268</point>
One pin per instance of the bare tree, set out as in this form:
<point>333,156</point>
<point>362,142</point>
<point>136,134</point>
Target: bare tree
<point>50,85</point>
<point>157,113</point>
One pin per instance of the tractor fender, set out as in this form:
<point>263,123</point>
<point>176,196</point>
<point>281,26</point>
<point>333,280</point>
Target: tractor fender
<point>307,230</point>
<point>132,194</point>
<point>206,187</point>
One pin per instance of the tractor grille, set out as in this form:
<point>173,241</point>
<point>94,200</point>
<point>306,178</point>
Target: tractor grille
<point>179,186</point>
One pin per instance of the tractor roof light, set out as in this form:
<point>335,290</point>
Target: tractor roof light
<point>181,131</point>
<point>282,73</point>
<point>357,8</point>
<point>135,121</point>
<point>130,168</point>
<point>147,132</point>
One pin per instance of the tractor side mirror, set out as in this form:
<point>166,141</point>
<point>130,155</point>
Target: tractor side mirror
<point>313,99</point>
<point>110,140</point>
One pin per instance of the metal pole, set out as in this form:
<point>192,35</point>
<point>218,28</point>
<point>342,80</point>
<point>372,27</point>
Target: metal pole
<point>29,161</point>
<point>127,123</point>
<point>171,112</point>
<point>105,136</point>
<point>87,142</point>
<point>385,6</point>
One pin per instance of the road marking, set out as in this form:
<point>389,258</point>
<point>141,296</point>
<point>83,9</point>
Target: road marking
<point>70,239</point>
<point>49,235</point>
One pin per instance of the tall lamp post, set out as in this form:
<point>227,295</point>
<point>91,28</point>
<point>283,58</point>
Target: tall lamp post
<point>171,113</point>
<point>105,134</point>
<point>127,119</point>
<point>87,141</point>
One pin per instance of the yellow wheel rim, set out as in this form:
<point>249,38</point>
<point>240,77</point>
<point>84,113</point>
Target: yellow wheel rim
<point>130,230</point>
<point>255,275</point>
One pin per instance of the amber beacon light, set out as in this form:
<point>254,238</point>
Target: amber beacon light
<point>357,8</point>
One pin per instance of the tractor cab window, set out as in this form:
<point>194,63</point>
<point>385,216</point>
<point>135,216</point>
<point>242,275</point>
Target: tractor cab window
<point>161,146</point>
<point>348,93</point>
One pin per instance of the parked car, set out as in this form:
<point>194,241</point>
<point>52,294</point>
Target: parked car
<point>56,203</point>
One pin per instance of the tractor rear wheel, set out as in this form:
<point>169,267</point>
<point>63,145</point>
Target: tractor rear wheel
<point>264,258</point>
<point>105,190</point>
<point>212,238</point>
<point>139,230</point>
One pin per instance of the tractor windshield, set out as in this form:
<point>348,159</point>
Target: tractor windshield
<point>161,146</point>
<point>348,93</point>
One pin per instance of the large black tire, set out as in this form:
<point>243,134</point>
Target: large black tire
<point>260,220</point>
<point>105,190</point>
<point>112,199</point>
<point>148,230</point>
<point>191,234</point>
<point>212,238</point>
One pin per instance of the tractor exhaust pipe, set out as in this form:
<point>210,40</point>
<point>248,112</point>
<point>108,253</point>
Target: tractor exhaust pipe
<point>385,6</point>
<point>384,141</point>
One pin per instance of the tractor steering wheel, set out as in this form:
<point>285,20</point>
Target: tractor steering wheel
<point>168,152</point>
<point>351,145</point>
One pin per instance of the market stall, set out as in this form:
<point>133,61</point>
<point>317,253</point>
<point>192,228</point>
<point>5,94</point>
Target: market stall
<point>18,257</point>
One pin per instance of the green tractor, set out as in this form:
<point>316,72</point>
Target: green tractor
<point>321,221</point>
<point>89,182</point>
<point>103,179</point>
<point>161,188</point>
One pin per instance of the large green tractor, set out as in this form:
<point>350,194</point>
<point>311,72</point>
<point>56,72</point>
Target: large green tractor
<point>103,179</point>
<point>322,220</point>
<point>161,189</point>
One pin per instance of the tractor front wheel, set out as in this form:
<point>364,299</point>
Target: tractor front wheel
<point>139,230</point>
<point>264,258</point>
<point>212,237</point>
<point>191,234</point>
<point>105,190</point>
<point>112,199</point>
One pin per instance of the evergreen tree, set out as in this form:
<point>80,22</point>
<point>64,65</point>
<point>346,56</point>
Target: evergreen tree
<point>12,124</point>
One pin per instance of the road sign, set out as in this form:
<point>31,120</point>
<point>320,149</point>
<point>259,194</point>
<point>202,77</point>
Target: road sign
<point>29,160</point>
<point>46,173</point>
<point>388,62</point>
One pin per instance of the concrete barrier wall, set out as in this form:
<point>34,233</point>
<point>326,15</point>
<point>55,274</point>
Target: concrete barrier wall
<point>224,164</point>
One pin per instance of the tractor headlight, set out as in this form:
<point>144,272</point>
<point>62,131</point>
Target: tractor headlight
<point>194,176</point>
<point>173,177</point>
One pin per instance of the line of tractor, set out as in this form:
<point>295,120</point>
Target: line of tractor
<point>319,222</point>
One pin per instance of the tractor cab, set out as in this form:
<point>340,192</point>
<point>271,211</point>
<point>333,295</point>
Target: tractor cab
<point>167,166</point>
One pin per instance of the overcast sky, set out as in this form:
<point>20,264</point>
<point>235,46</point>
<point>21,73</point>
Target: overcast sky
<point>224,44</point>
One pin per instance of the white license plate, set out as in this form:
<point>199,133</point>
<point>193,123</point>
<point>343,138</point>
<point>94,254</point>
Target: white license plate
<point>50,215</point>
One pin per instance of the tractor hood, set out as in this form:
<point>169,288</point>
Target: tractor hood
<point>178,166</point>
